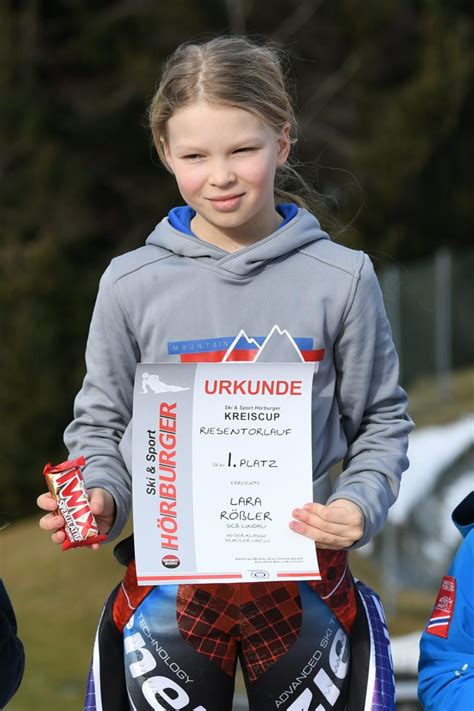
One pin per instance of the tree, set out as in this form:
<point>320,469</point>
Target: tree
<point>385,99</point>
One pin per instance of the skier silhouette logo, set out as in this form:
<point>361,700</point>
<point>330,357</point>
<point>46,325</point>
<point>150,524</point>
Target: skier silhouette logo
<point>151,381</point>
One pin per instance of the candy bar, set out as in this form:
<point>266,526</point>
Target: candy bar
<point>66,484</point>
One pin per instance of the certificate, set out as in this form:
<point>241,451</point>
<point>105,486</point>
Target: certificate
<point>221,455</point>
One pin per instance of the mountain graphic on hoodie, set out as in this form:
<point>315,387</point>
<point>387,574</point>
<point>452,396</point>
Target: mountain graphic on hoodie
<point>241,349</point>
<point>278,347</point>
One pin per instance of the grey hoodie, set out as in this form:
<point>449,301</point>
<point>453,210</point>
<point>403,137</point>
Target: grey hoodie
<point>179,299</point>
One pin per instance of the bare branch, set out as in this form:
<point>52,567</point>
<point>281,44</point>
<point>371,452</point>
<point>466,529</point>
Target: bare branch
<point>333,84</point>
<point>329,135</point>
<point>236,15</point>
<point>304,11</point>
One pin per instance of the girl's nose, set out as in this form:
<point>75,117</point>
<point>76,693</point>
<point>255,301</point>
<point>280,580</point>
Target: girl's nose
<point>221,174</point>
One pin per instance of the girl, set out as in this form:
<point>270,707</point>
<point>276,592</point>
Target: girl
<point>243,255</point>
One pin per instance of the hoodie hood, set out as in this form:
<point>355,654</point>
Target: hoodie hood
<point>463,515</point>
<point>303,229</point>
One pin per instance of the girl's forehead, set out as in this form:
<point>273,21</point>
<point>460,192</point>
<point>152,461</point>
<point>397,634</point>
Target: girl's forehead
<point>203,120</point>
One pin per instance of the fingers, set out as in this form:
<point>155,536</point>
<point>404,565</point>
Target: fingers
<point>96,501</point>
<point>101,502</point>
<point>54,523</point>
<point>51,522</point>
<point>59,537</point>
<point>320,522</point>
<point>102,506</point>
<point>337,525</point>
<point>326,520</point>
<point>322,538</point>
<point>337,512</point>
<point>47,502</point>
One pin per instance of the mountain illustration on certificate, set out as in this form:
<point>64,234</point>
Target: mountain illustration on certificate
<point>152,381</point>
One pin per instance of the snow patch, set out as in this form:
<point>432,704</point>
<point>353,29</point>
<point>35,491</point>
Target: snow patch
<point>405,653</point>
<point>431,450</point>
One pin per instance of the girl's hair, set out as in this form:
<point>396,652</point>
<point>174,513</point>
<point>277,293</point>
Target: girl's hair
<point>233,71</point>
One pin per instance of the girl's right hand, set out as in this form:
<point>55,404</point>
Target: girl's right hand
<point>102,506</point>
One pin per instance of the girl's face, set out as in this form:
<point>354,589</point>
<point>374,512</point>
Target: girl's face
<point>224,160</point>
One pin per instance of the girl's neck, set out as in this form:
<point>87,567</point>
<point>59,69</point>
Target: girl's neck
<point>234,238</point>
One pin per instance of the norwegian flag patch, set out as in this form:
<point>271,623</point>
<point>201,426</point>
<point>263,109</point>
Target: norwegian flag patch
<point>443,609</point>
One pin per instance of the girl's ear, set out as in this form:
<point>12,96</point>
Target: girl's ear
<point>284,145</point>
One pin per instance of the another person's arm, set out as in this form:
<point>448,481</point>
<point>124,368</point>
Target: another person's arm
<point>12,656</point>
<point>446,667</point>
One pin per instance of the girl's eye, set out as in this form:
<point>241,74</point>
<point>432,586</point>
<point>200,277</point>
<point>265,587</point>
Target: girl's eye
<point>245,149</point>
<point>192,156</point>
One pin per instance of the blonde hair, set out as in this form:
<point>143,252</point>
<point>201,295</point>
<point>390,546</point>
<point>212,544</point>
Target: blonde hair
<point>237,72</point>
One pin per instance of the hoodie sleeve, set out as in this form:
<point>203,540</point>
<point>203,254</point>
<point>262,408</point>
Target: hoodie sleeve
<point>372,406</point>
<point>103,407</point>
<point>446,666</point>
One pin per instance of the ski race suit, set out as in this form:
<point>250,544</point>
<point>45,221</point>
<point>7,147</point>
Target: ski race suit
<point>176,647</point>
<point>446,668</point>
<point>293,296</point>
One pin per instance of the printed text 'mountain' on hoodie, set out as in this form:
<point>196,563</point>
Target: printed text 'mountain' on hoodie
<point>294,295</point>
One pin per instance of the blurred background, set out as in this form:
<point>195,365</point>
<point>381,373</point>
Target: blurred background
<point>385,98</point>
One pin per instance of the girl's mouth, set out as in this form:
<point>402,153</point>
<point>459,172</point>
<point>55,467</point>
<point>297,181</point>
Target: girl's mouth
<point>226,203</point>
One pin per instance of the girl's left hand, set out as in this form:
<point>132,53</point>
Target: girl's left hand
<point>335,526</point>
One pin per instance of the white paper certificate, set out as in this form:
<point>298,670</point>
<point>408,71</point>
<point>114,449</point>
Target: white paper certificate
<point>221,456</point>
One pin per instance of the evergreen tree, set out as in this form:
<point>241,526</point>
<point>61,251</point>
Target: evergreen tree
<point>385,98</point>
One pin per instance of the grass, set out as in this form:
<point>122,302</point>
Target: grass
<point>58,596</point>
<point>431,406</point>
<point>406,609</point>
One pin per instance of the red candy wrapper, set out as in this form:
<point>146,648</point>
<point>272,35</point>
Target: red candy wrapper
<point>66,484</point>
